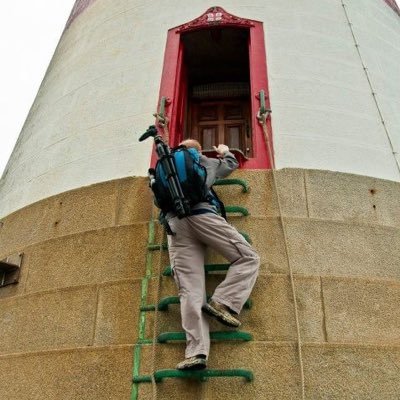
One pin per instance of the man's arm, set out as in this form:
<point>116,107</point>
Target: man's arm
<point>227,161</point>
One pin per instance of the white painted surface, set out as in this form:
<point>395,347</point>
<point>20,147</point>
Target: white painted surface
<point>324,115</point>
<point>102,87</point>
<point>29,33</point>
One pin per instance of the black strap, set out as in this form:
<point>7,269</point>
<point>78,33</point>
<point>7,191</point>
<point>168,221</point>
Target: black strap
<point>220,204</point>
<point>200,211</point>
<point>164,222</point>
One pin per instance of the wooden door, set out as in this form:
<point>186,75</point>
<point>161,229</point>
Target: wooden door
<point>223,121</point>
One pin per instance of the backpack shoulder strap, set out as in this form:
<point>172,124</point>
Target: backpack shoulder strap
<point>220,203</point>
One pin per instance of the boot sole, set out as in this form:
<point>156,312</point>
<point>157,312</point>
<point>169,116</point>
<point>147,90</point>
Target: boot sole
<point>217,315</point>
<point>198,366</point>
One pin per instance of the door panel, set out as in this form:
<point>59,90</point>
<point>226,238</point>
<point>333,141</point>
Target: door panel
<point>208,136</point>
<point>208,113</point>
<point>233,111</point>
<point>220,121</point>
<point>233,136</point>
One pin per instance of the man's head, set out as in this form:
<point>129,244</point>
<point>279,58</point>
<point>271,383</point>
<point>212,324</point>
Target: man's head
<point>191,143</point>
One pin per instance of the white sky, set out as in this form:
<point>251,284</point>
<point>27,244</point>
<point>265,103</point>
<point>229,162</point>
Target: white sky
<point>29,33</point>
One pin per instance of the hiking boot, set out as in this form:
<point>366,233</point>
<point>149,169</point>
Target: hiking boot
<point>221,313</point>
<point>193,363</point>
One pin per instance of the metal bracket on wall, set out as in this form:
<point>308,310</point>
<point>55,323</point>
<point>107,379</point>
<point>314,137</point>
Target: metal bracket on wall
<point>10,268</point>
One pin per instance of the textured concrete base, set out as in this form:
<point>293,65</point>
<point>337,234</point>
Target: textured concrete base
<point>351,372</point>
<point>271,317</point>
<point>73,317</point>
<point>275,366</point>
<point>79,374</point>
<point>75,314</point>
<point>332,371</point>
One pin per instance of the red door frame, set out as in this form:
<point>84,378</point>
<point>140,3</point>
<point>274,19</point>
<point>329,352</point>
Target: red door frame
<point>174,84</point>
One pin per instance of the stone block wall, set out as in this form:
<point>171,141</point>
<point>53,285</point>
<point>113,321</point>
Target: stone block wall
<point>70,327</point>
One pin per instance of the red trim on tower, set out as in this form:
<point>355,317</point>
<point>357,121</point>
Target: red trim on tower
<point>215,16</point>
<point>170,83</point>
<point>79,7</point>
<point>393,5</point>
<point>259,81</point>
<point>174,83</point>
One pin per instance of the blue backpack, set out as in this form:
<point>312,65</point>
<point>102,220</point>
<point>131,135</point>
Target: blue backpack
<point>191,176</point>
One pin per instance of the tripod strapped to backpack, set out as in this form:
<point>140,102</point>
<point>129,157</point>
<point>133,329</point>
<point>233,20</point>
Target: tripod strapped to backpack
<point>178,181</point>
<point>181,204</point>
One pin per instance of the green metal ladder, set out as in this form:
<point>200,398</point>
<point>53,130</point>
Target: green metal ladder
<point>164,303</point>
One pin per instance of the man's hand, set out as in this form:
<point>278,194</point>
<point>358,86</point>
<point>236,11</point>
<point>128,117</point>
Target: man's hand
<point>221,149</point>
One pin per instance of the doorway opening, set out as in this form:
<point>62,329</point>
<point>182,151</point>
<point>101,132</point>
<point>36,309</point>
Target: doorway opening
<point>218,88</point>
<point>214,84</point>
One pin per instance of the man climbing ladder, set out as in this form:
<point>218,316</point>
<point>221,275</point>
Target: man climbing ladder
<point>187,240</point>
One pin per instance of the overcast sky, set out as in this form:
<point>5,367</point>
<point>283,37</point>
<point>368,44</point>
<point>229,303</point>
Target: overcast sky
<point>29,33</point>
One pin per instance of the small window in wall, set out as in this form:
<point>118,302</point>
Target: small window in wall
<point>10,270</point>
<point>218,84</point>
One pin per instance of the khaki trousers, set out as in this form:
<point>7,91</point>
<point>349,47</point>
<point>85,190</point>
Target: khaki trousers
<point>186,250</point>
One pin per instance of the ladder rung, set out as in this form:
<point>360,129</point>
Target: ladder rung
<point>153,247</point>
<point>145,341</point>
<point>148,307</point>
<point>167,271</point>
<point>246,237</point>
<point>203,375</point>
<point>219,336</point>
<point>241,182</point>
<point>167,301</point>
<point>237,210</point>
<point>200,375</point>
<point>142,379</point>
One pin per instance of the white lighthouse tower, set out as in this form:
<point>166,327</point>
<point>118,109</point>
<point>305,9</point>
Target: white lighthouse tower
<point>307,93</point>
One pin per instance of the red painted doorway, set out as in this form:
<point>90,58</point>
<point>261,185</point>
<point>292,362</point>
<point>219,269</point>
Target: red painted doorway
<point>214,69</point>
